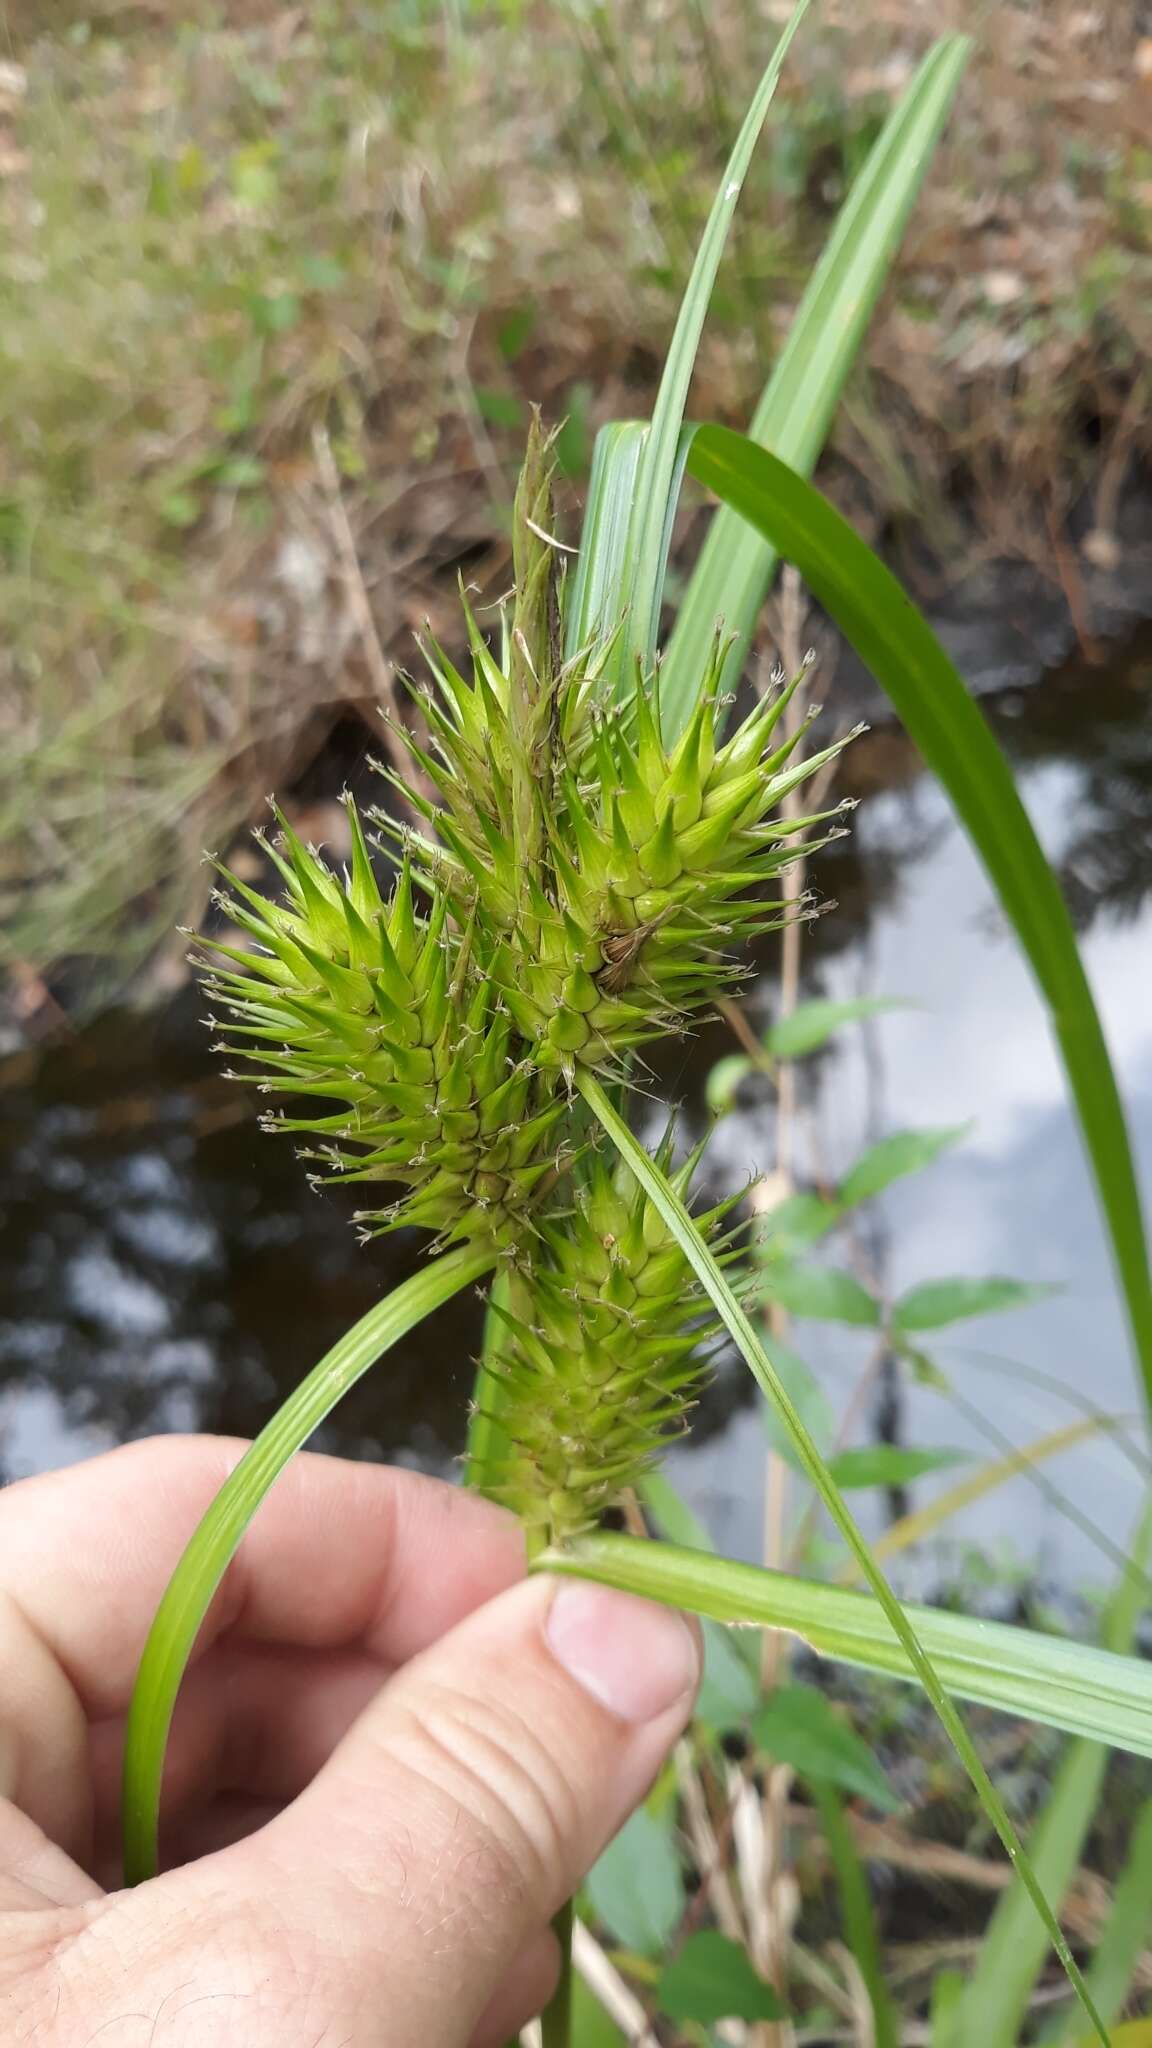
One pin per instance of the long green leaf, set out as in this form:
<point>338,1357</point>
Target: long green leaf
<point>796,410</point>
<point>895,640</point>
<point>1127,1927</point>
<point>1011,1955</point>
<point>597,593</point>
<point>194,1582</point>
<point>731,1314</point>
<point>655,493</point>
<point>856,1911</point>
<point>1076,1687</point>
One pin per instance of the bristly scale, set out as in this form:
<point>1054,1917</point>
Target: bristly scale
<point>601,1355</point>
<point>386,1012</point>
<point>580,890</point>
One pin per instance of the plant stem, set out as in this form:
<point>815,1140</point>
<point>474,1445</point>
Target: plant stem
<point>859,1922</point>
<point>556,2019</point>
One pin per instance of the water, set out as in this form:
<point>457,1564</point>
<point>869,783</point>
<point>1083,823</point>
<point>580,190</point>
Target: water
<point>1014,1197</point>
<point>164,1266</point>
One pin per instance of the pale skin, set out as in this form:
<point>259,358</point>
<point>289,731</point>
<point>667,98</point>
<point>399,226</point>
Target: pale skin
<point>394,1758</point>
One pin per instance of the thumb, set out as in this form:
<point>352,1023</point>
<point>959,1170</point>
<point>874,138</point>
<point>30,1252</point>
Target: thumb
<point>471,1798</point>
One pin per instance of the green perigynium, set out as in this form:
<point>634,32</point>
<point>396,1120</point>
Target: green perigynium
<point>365,1003</point>
<point>579,890</point>
<point>612,875</point>
<point>601,1351</point>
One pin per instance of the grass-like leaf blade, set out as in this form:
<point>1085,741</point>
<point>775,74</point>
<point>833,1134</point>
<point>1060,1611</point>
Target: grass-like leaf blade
<point>892,636</point>
<point>856,1912</point>
<point>597,591</point>
<point>1125,1933</point>
<point>800,399</point>
<point>1073,1686</point>
<point>996,1996</point>
<point>189,1592</point>
<point>656,490</point>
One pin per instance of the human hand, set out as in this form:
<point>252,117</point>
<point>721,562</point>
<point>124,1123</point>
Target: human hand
<point>393,1759</point>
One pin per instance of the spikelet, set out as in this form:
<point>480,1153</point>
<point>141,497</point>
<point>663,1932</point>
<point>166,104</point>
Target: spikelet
<point>599,1362</point>
<point>614,875</point>
<point>582,888</point>
<point>387,1014</point>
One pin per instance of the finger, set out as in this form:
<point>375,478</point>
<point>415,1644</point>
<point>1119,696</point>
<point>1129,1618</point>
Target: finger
<point>340,1554</point>
<point>469,1800</point>
<point>43,1737</point>
<point>34,1874</point>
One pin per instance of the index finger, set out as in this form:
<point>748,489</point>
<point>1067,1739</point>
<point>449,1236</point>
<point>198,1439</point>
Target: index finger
<point>339,1555</point>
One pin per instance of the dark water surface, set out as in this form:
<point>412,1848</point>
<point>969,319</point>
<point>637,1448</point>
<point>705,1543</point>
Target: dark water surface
<point>163,1266</point>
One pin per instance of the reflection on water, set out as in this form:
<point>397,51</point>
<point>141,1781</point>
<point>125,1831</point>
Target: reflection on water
<point>166,1267</point>
<point>1014,1197</point>
<point>163,1266</point>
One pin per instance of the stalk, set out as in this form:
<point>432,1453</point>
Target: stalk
<point>556,2019</point>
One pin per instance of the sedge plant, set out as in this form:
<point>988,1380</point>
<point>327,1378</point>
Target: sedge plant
<point>599,836</point>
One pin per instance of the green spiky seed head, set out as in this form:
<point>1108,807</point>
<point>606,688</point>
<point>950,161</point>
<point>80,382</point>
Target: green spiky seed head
<point>582,887</point>
<point>614,875</point>
<point>365,1004</point>
<point>599,1362</point>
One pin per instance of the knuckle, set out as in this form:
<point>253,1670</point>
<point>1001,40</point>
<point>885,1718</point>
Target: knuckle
<point>506,1778</point>
<point>495,1811</point>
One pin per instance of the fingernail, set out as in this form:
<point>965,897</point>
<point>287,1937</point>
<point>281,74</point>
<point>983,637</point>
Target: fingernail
<point>637,1659</point>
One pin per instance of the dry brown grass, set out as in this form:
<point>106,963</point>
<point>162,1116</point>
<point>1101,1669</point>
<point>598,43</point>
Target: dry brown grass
<point>218,234</point>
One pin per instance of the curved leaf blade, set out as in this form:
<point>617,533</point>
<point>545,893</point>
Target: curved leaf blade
<point>190,1590</point>
<point>656,480</point>
<point>896,641</point>
<point>796,410</point>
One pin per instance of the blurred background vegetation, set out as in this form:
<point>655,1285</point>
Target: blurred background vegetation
<point>278,284</point>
